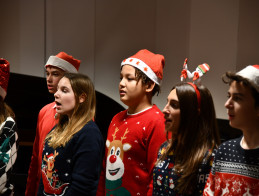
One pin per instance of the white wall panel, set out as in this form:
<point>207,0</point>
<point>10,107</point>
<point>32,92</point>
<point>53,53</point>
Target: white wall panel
<point>213,39</point>
<point>248,39</point>
<point>22,35</point>
<point>122,28</point>
<point>172,40</point>
<point>70,27</point>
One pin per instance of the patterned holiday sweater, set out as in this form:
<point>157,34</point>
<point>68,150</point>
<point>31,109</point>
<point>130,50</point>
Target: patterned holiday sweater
<point>73,170</point>
<point>165,177</point>
<point>235,171</point>
<point>131,148</point>
<point>46,122</point>
<point>8,154</point>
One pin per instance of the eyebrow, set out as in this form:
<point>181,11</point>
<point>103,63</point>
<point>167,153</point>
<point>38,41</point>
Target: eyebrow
<point>170,100</point>
<point>55,71</point>
<point>62,87</point>
<point>237,94</point>
<point>127,74</point>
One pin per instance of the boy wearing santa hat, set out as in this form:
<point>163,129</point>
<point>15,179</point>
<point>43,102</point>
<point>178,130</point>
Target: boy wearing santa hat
<point>55,67</point>
<point>235,169</point>
<point>134,135</point>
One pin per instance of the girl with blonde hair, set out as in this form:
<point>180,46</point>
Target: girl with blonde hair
<point>72,154</point>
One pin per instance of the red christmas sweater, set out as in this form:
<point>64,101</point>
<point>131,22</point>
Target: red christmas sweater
<point>46,121</point>
<point>235,171</point>
<point>131,149</point>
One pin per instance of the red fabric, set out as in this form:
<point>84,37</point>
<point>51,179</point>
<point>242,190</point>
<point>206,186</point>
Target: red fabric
<point>196,76</point>
<point>231,184</point>
<point>184,73</point>
<point>4,73</point>
<point>144,132</point>
<point>197,94</point>
<point>70,59</point>
<point>155,61</point>
<point>46,122</point>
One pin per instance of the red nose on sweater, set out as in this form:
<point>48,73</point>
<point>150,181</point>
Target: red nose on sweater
<point>113,158</point>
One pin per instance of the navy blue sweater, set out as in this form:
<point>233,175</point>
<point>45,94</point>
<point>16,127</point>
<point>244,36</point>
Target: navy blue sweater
<point>75,168</point>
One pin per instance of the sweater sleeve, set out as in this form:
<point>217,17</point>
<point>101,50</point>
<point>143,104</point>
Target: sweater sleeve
<point>86,163</point>
<point>101,185</point>
<point>156,138</point>
<point>204,171</point>
<point>209,187</point>
<point>210,184</point>
<point>33,178</point>
<point>8,153</point>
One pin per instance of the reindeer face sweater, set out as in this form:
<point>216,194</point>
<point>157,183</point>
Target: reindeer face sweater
<point>235,171</point>
<point>131,148</point>
<point>75,168</point>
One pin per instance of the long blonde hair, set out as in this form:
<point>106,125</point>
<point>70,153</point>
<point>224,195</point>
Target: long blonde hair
<point>82,114</point>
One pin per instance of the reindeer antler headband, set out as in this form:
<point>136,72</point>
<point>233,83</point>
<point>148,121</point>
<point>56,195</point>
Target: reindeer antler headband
<point>195,76</point>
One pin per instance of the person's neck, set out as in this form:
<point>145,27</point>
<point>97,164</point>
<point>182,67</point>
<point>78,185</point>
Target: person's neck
<point>138,108</point>
<point>250,139</point>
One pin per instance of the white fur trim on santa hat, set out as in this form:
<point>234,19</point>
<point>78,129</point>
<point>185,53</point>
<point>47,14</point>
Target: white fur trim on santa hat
<point>2,92</point>
<point>143,67</point>
<point>251,73</point>
<point>62,64</point>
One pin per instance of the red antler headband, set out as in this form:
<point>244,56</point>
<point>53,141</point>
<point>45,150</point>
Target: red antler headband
<point>195,76</point>
<point>197,93</point>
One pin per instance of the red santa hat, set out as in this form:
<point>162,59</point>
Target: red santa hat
<point>65,62</point>
<point>149,63</point>
<point>50,156</point>
<point>251,73</point>
<point>4,76</point>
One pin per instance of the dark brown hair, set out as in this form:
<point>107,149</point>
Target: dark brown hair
<point>146,80</point>
<point>197,134</point>
<point>229,77</point>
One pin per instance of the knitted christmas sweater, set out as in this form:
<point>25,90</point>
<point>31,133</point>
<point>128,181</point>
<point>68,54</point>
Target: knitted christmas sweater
<point>166,179</point>
<point>131,148</point>
<point>8,154</point>
<point>73,170</point>
<point>46,121</point>
<point>235,171</point>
